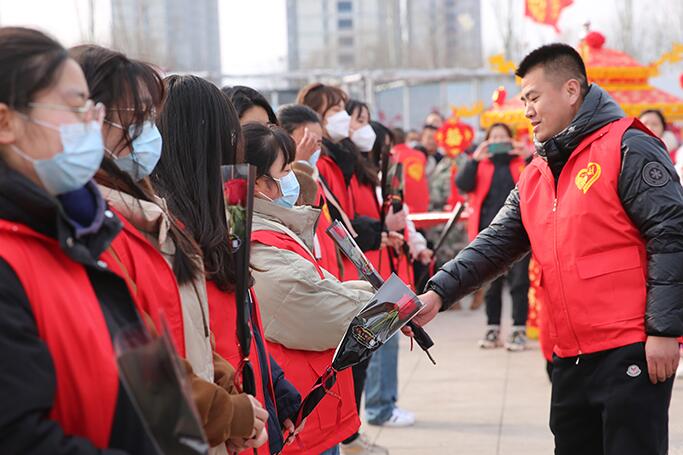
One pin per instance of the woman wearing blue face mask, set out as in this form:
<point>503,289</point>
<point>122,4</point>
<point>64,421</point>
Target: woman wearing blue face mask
<point>201,132</point>
<point>303,125</point>
<point>61,298</point>
<point>152,240</point>
<point>305,309</point>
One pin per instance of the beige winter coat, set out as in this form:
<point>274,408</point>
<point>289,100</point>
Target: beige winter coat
<point>300,310</point>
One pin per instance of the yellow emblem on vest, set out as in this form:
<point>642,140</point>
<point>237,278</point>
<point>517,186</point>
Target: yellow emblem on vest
<point>414,169</point>
<point>587,177</point>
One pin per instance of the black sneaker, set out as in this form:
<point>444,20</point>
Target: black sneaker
<point>491,340</point>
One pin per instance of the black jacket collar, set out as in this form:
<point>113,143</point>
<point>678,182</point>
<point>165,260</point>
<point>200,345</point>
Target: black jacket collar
<point>597,110</point>
<point>23,202</point>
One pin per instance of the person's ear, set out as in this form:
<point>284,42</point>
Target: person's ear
<point>260,184</point>
<point>7,125</point>
<point>573,90</point>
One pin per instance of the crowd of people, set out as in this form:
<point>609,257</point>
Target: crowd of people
<point>112,215</point>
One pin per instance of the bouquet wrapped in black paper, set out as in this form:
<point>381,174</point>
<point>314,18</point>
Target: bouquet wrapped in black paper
<point>386,313</point>
<point>351,250</point>
<point>238,193</point>
<point>154,380</point>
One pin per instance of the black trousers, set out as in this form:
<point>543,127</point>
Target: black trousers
<point>606,405</point>
<point>518,279</point>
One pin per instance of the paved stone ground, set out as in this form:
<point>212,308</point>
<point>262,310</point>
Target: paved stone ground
<point>477,402</point>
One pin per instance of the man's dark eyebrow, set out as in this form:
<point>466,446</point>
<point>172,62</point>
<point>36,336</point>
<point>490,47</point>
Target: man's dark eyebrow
<point>529,93</point>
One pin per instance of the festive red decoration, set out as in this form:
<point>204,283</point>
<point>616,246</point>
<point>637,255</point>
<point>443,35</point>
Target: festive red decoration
<point>545,11</point>
<point>454,136</point>
<point>595,40</point>
<point>681,80</point>
<point>499,96</point>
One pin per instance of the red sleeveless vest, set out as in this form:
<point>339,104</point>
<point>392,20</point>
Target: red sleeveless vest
<point>414,177</point>
<point>156,286</point>
<point>302,368</point>
<point>70,322</point>
<point>485,170</point>
<point>328,249</point>
<point>334,178</point>
<point>592,258</point>
<point>223,323</point>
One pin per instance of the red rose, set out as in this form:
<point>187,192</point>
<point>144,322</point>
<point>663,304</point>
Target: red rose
<point>235,192</point>
<point>407,304</point>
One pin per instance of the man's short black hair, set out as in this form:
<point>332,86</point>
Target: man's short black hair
<point>559,60</point>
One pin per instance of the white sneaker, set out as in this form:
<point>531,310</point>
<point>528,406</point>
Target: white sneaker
<point>405,412</point>
<point>400,419</point>
<point>362,446</point>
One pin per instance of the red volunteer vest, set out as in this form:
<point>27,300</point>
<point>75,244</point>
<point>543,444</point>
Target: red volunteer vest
<point>366,204</point>
<point>485,170</point>
<point>416,186</point>
<point>323,429</point>
<point>593,260</point>
<point>156,285</point>
<point>328,249</point>
<point>223,323</point>
<point>70,322</point>
<point>334,179</point>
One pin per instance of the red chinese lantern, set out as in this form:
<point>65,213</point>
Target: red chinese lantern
<point>454,137</point>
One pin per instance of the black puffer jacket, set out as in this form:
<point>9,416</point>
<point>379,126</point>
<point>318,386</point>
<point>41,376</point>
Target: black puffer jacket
<point>655,210</point>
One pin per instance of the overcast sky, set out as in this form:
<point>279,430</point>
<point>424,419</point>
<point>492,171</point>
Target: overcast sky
<point>254,32</point>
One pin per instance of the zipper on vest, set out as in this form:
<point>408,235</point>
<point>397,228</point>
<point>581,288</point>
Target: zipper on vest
<point>559,272</point>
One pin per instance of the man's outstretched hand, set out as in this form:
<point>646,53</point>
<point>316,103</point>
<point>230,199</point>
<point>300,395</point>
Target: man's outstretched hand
<point>432,304</point>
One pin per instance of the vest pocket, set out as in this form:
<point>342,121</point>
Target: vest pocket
<point>599,264</point>
<point>613,289</point>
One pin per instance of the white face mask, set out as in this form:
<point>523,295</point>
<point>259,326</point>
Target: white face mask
<point>337,126</point>
<point>364,138</point>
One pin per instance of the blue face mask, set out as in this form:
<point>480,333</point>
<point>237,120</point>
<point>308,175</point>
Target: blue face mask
<point>289,187</point>
<point>146,152</point>
<point>313,159</point>
<point>77,163</point>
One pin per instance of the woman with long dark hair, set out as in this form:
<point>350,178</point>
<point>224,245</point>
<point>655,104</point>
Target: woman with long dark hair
<point>62,299</point>
<point>306,310</point>
<point>134,92</point>
<point>200,131</point>
<point>352,183</point>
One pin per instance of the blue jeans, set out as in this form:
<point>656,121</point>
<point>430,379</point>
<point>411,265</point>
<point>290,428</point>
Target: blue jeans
<point>333,451</point>
<point>381,384</point>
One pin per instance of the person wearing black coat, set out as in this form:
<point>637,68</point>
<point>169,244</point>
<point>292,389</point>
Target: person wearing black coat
<point>488,196</point>
<point>614,400</point>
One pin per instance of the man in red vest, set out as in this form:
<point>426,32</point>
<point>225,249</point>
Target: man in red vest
<point>601,210</point>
